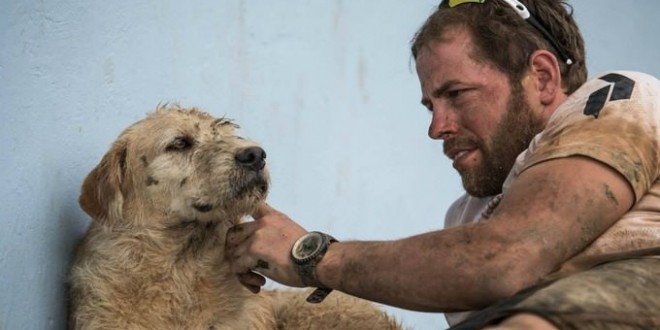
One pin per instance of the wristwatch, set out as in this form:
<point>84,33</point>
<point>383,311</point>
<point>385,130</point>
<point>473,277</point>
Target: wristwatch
<point>306,253</point>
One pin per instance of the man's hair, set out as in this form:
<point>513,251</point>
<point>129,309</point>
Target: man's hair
<point>503,39</point>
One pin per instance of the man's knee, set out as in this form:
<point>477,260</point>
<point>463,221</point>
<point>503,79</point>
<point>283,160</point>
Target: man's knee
<point>523,322</point>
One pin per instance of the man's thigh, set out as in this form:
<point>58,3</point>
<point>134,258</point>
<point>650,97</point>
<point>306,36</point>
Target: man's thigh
<point>619,295</point>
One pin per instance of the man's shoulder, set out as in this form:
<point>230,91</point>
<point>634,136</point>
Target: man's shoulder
<point>621,81</point>
<point>634,75</point>
<point>613,119</point>
<point>629,88</point>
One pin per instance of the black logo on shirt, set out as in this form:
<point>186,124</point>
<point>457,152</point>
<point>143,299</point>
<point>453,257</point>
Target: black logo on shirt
<point>621,88</point>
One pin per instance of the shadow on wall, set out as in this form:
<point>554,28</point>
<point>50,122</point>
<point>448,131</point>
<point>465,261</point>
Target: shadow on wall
<point>72,224</point>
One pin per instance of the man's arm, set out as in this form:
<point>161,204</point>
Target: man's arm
<point>551,212</point>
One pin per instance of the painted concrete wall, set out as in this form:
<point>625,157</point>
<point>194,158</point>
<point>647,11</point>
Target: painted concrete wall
<point>327,87</point>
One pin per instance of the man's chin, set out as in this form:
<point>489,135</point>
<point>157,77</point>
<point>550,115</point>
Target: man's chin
<point>480,184</point>
<point>470,187</point>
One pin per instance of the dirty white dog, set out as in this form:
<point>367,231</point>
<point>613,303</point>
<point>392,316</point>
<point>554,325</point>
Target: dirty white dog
<point>162,200</point>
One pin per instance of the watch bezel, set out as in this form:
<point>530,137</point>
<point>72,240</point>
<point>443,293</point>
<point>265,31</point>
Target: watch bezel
<point>314,237</point>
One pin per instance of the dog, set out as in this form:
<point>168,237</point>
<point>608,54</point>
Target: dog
<point>161,200</point>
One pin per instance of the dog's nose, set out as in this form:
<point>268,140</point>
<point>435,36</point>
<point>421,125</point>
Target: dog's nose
<point>252,157</point>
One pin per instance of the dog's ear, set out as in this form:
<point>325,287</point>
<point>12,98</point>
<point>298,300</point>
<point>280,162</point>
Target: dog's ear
<point>102,196</point>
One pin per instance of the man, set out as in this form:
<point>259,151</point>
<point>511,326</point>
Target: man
<point>560,226</point>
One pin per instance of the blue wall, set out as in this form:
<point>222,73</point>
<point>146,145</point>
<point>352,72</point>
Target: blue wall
<point>327,87</point>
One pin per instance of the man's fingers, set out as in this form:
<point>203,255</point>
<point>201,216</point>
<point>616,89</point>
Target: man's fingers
<point>239,233</point>
<point>252,278</point>
<point>252,281</point>
<point>261,210</point>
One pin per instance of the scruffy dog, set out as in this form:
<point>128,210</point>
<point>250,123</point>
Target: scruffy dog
<point>162,200</point>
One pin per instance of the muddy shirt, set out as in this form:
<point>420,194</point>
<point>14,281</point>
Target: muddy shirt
<point>613,119</point>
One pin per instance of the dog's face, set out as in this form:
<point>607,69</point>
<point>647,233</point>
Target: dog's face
<point>175,166</point>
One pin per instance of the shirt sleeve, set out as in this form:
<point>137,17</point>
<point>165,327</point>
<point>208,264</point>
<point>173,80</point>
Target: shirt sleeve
<point>613,119</point>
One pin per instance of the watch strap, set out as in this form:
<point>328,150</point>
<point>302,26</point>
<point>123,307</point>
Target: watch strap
<point>318,295</point>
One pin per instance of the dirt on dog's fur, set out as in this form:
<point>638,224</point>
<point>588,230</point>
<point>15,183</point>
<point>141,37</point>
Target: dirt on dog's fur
<point>162,199</point>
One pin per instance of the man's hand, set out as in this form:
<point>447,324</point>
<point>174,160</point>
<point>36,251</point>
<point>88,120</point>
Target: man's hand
<point>263,247</point>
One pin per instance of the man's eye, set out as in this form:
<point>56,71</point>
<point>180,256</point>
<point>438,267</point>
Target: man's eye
<point>455,93</point>
<point>180,144</point>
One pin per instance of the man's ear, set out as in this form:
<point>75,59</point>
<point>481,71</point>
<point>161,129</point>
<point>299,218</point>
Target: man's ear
<point>545,69</point>
<point>101,195</point>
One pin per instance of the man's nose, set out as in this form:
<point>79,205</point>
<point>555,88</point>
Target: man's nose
<point>443,123</point>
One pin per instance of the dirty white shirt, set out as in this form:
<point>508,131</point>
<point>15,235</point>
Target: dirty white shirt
<point>614,119</point>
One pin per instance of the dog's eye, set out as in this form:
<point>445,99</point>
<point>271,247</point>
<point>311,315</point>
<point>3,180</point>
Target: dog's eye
<point>180,144</point>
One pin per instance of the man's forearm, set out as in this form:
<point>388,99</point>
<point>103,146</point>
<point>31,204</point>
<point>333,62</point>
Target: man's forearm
<point>474,265</point>
<point>429,272</point>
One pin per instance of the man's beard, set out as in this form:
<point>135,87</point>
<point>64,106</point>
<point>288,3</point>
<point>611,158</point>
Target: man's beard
<point>512,135</point>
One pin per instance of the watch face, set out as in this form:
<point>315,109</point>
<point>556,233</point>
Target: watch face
<point>307,245</point>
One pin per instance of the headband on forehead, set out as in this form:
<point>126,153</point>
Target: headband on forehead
<point>454,3</point>
<point>525,14</point>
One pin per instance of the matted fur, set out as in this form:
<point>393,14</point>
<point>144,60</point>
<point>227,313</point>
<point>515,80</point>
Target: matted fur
<point>162,199</point>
